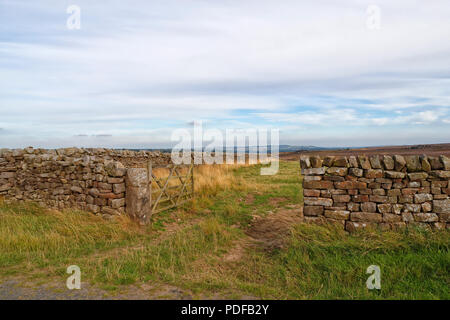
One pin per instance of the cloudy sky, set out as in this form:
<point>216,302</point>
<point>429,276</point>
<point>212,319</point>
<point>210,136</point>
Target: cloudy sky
<point>320,71</point>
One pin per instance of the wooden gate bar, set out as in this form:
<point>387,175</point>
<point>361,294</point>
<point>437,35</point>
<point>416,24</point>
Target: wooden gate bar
<point>181,193</point>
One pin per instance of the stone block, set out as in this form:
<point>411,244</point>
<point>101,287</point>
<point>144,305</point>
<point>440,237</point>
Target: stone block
<point>427,207</point>
<point>422,197</point>
<point>397,208</point>
<point>353,162</point>
<point>341,198</point>
<point>333,178</point>
<point>394,192</point>
<point>441,206</point>
<point>364,162</point>
<point>7,175</point>
<point>413,163</point>
<point>378,199</point>
<point>340,161</point>
<point>350,185</point>
<point>375,162</point>
<point>313,210</point>
<point>117,203</point>
<point>440,174</point>
<point>410,191</point>
<point>407,217</point>
<point>405,199</point>
<point>439,184</point>
<point>426,166</point>
<point>119,188</point>
<point>445,162</point>
<point>352,206</point>
<point>385,208</point>
<point>366,217</point>
<point>352,226</point>
<point>369,207</point>
<point>317,184</point>
<point>426,217</point>
<point>390,217</point>
<point>360,198</point>
<point>388,162</point>
<point>417,176</point>
<point>316,161</point>
<point>313,171</point>
<point>412,207</point>
<point>76,189</point>
<point>373,173</point>
<point>304,162</point>
<point>435,163</point>
<point>312,178</point>
<point>337,171</point>
<point>337,214</point>
<point>400,162</point>
<point>328,161</point>
<point>356,172</point>
<point>379,192</point>
<point>315,201</point>
<point>311,193</point>
<point>414,184</point>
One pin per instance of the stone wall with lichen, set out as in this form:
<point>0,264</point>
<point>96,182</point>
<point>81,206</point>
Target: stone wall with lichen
<point>88,179</point>
<point>385,191</point>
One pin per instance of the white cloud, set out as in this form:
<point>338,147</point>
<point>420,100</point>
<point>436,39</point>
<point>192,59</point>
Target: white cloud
<point>156,64</point>
<point>350,117</point>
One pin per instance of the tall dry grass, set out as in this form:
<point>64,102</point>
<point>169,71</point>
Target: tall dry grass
<point>32,234</point>
<point>211,179</point>
<point>208,179</point>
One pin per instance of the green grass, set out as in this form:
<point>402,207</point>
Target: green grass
<point>316,263</point>
<point>323,263</point>
<point>231,205</point>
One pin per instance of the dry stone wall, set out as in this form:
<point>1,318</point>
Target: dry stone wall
<point>88,179</point>
<point>386,191</point>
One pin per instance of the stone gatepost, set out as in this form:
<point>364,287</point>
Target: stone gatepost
<point>138,195</point>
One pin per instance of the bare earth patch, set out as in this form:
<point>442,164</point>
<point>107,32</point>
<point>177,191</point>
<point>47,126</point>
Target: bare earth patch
<point>270,232</point>
<point>237,252</point>
<point>273,230</point>
<point>249,199</point>
<point>277,200</point>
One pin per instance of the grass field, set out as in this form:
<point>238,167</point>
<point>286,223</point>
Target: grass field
<point>212,247</point>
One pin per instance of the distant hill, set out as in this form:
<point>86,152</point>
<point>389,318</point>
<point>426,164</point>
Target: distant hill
<point>295,151</point>
<point>282,148</point>
<point>428,149</point>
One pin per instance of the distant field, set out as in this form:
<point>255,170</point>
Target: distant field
<point>428,149</point>
<point>241,238</point>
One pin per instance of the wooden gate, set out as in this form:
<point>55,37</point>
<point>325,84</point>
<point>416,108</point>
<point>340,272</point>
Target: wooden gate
<point>169,190</point>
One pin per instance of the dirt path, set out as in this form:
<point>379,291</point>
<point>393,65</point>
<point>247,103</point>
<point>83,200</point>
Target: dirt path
<point>269,232</point>
<point>22,289</point>
<point>273,230</point>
